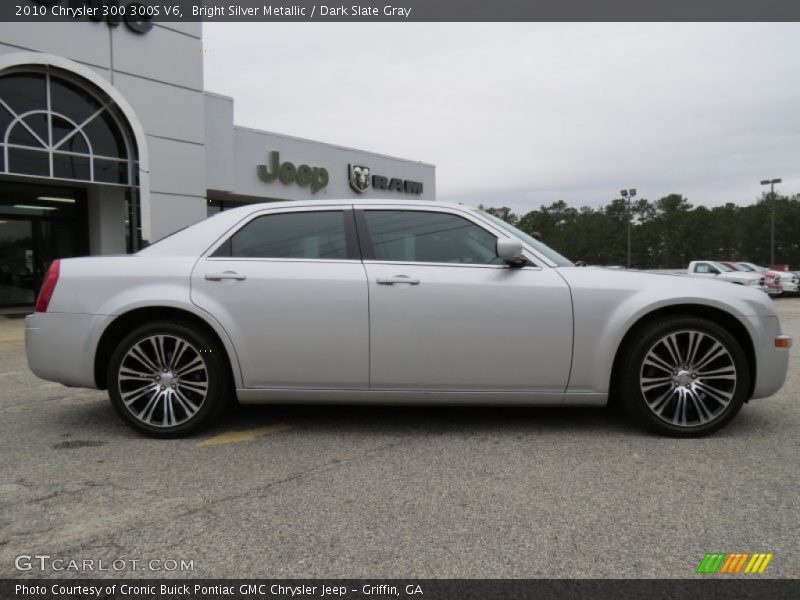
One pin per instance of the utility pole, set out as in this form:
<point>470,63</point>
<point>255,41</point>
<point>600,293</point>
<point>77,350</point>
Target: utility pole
<point>771,183</point>
<point>628,195</point>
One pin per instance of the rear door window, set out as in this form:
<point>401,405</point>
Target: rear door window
<point>316,235</point>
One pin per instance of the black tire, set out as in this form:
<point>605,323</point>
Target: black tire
<point>181,408</point>
<point>695,401</point>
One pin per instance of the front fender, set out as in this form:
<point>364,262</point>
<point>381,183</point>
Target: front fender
<point>606,308</point>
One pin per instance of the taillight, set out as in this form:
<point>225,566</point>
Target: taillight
<point>48,285</point>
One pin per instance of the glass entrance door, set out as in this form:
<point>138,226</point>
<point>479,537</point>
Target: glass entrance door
<point>16,262</point>
<point>38,224</point>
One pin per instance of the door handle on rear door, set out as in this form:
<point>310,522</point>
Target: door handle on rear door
<point>397,279</point>
<point>225,275</point>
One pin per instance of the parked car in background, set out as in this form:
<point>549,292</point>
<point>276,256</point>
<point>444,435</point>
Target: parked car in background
<point>721,272</point>
<point>789,281</point>
<point>407,302</point>
<point>772,280</point>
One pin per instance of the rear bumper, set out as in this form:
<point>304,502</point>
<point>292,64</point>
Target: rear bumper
<point>772,363</point>
<point>61,346</point>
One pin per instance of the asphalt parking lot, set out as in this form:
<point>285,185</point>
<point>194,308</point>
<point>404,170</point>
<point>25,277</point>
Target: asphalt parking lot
<point>392,492</point>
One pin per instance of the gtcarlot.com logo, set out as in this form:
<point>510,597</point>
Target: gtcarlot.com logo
<point>732,563</point>
<point>45,562</point>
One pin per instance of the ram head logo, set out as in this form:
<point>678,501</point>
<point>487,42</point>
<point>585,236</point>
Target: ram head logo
<point>360,179</point>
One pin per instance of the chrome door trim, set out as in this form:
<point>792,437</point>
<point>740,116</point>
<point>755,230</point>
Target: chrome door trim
<point>390,263</point>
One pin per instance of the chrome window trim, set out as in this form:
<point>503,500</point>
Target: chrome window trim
<point>275,259</point>
<point>539,261</point>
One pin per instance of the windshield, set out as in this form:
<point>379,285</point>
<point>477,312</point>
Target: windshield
<point>755,267</point>
<point>543,249</point>
<point>746,266</point>
<point>723,268</point>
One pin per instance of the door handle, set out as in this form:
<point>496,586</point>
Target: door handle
<point>397,279</point>
<point>225,275</point>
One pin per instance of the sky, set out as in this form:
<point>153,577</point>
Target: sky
<point>525,114</point>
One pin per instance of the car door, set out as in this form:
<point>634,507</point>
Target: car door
<point>447,314</point>
<point>289,288</point>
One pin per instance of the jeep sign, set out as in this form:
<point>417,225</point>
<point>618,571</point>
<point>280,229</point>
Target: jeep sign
<point>316,177</point>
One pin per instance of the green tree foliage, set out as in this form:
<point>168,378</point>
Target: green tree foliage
<point>667,233</point>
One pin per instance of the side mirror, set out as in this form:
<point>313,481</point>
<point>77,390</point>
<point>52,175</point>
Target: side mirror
<point>510,250</point>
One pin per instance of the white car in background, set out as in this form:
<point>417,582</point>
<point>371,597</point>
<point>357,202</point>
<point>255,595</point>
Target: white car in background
<point>722,272</point>
<point>789,281</point>
<point>771,280</point>
<point>400,303</point>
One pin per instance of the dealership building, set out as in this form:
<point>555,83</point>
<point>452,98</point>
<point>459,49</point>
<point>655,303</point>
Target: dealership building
<point>109,142</point>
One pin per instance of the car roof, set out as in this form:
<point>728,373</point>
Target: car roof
<point>247,208</point>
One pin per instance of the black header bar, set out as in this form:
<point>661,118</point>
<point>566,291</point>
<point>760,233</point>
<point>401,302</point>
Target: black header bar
<point>707,587</point>
<point>403,10</point>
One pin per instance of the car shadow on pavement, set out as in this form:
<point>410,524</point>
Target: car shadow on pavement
<point>457,420</point>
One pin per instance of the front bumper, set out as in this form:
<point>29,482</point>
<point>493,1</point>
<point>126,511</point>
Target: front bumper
<point>61,346</point>
<point>772,363</point>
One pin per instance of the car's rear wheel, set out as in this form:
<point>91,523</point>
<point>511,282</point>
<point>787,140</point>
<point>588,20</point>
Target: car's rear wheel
<point>168,379</point>
<point>684,376</point>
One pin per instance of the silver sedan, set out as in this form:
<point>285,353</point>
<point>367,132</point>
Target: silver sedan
<point>414,302</point>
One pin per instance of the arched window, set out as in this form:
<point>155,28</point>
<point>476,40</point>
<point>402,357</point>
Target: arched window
<point>52,127</point>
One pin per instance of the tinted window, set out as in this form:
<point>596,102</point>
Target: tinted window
<point>24,92</point>
<point>112,171</point>
<point>70,166</point>
<point>21,136</point>
<point>58,117</point>
<point>105,136</point>
<point>38,123</point>
<point>72,101</point>
<point>5,117</point>
<point>403,235</point>
<point>28,162</point>
<point>292,235</point>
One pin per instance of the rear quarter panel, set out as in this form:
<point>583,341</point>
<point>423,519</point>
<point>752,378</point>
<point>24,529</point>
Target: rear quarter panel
<point>115,285</point>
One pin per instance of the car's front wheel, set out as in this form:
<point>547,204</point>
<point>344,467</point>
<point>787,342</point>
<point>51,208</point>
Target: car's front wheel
<point>684,376</point>
<point>168,379</point>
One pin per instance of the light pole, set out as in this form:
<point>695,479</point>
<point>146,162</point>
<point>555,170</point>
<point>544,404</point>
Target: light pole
<point>628,195</point>
<point>771,183</point>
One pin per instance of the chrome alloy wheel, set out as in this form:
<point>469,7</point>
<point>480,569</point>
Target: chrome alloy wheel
<point>163,380</point>
<point>688,378</point>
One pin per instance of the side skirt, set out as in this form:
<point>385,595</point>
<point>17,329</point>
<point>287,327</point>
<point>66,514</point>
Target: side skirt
<point>455,397</point>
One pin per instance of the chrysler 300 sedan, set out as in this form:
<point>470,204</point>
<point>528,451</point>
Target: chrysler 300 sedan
<point>419,302</point>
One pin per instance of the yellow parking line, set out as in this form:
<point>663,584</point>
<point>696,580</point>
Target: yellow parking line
<point>14,343</point>
<point>247,435</point>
